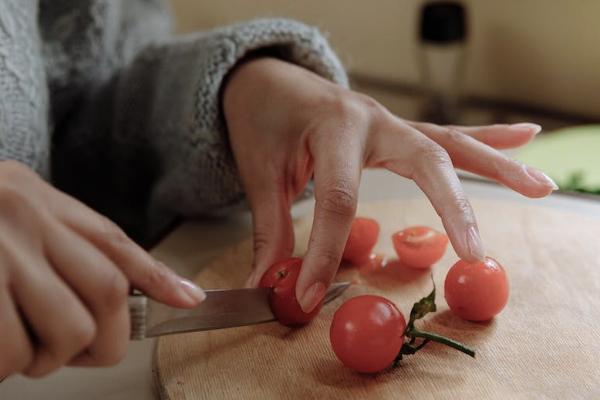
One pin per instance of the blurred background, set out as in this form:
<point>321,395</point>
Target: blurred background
<point>467,62</point>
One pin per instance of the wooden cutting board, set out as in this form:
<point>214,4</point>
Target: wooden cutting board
<point>545,344</point>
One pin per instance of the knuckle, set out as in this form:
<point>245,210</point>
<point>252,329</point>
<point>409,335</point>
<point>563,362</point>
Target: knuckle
<point>347,106</point>
<point>502,166</point>
<point>327,260</point>
<point>156,276</point>
<point>80,336</point>
<point>114,234</point>
<point>346,111</point>
<point>370,104</point>
<point>428,127</point>
<point>459,205</point>
<point>455,136</point>
<point>431,153</point>
<point>261,240</point>
<point>113,294</point>
<point>340,200</point>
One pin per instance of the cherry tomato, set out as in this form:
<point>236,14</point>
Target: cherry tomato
<point>478,291</point>
<point>282,277</point>
<point>419,246</point>
<point>362,239</point>
<point>367,333</point>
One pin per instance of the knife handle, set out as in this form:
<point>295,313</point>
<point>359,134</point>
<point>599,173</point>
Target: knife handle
<point>137,313</point>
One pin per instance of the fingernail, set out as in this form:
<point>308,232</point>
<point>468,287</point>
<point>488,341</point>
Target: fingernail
<point>540,177</point>
<point>527,126</point>
<point>312,297</point>
<point>474,243</point>
<point>196,294</point>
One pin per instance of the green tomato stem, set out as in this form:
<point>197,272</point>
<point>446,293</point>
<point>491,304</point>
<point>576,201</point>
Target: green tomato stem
<point>441,339</point>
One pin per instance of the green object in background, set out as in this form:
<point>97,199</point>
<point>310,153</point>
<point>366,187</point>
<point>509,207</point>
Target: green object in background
<point>571,156</point>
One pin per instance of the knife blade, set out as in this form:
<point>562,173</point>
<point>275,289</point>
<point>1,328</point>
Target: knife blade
<point>221,309</point>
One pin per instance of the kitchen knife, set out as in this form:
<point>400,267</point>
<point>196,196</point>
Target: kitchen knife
<point>221,309</point>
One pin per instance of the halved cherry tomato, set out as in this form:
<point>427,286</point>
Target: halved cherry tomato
<point>478,291</point>
<point>419,246</point>
<point>282,277</point>
<point>367,333</point>
<point>362,239</point>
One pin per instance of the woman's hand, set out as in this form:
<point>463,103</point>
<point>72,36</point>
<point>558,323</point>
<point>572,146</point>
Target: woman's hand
<point>288,125</point>
<point>64,279</point>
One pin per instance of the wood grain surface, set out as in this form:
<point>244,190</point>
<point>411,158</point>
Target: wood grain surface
<point>545,344</point>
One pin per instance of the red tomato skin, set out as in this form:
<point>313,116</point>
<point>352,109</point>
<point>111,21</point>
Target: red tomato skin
<point>282,277</point>
<point>367,333</point>
<point>416,253</point>
<point>361,240</point>
<point>478,291</point>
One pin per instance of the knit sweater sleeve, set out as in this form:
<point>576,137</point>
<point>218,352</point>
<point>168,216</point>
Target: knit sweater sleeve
<point>167,129</point>
<point>23,90</point>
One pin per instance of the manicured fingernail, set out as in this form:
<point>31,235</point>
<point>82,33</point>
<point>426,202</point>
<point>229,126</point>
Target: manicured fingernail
<point>313,296</point>
<point>527,126</point>
<point>474,243</point>
<point>540,177</point>
<point>192,290</point>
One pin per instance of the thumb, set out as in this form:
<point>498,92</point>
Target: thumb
<point>273,233</point>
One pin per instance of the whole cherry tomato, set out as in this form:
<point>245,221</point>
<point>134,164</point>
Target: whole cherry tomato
<point>419,246</point>
<point>367,333</point>
<point>478,291</point>
<point>363,236</point>
<point>282,277</point>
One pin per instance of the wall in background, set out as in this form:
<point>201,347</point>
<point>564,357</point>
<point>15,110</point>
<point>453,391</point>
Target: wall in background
<point>543,52</point>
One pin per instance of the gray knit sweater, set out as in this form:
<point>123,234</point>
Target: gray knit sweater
<point>99,98</point>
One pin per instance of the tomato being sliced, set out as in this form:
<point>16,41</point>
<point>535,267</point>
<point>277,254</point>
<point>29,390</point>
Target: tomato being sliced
<point>367,333</point>
<point>282,277</point>
<point>361,240</point>
<point>419,246</point>
<point>478,291</point>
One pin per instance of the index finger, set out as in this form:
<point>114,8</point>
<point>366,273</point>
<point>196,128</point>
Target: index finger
<point>142,270</point>
<point>336,176</point>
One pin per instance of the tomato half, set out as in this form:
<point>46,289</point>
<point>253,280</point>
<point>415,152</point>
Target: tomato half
<point>419,246</point>
<point>282,277</point>
<point>367,333</point>
<point>361,240</point>
<point>478,291</point>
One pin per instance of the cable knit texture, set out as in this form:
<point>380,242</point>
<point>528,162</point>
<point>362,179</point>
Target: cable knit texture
<point>133,113</point>
<point>23,90</point>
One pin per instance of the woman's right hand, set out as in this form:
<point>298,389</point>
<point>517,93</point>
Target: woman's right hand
<point>65,273</point>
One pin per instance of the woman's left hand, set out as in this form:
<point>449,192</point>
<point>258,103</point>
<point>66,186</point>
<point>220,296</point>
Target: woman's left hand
<point>288,125</point>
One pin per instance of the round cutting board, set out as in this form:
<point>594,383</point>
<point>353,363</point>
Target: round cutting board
<point>545,344</point>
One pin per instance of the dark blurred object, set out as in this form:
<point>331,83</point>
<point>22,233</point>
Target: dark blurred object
<point>443,23</point>
<point>442,47</point>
